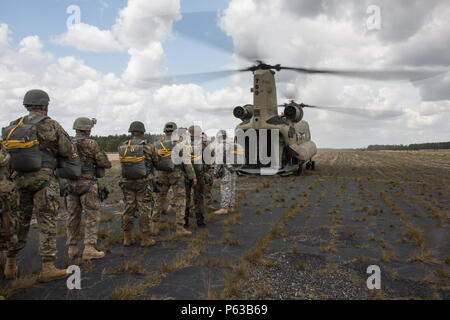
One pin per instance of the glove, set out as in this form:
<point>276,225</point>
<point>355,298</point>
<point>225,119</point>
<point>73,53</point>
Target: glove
<point>64,188</point>
<point>157,186</point>
<point>208,179</point>
<point>103,192</point>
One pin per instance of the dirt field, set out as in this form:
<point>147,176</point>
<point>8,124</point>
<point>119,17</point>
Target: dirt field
<point>308,237</point>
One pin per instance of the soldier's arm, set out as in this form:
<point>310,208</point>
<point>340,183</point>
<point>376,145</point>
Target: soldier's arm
<point>189,169</point>
<point>101,159</point>
<point>65,147</point>
<point>151,154</point>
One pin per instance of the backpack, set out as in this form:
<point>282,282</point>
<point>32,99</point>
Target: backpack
<point>132,160</point>
<point>70,168</point>
<point>164,150</point>
<point>21,140</point>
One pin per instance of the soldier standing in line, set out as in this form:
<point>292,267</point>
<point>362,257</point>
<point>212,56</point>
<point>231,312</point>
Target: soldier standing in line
<point>173,175</point>
<point>210,180</point>
<point>138,160</point>
<point>226,171</point>
<point>83,195</point>
<point>201,172</point>
<point>9,205</point>
<point>35,142</point>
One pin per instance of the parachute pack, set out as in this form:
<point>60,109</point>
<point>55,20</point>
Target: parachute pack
<point>132,160</point>
<point>21,140</point>
<point>164,150</point>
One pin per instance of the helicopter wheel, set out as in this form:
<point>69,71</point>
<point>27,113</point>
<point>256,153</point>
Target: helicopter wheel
<point>299,170</point>
<point>308,166</point>
<point>313,165</point>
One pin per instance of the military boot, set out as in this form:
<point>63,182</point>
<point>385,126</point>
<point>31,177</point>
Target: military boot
<point>127,239</point>
<point>210,207</point>
<point>146,240</point>
<point>90,253</point>
<point>200,220</point>
<point>73,252</point>
<point>10,268</point>
<point>2,298</point>
<point>182,232</point>
<point>155,229</point>
<point>186,218</point>
<point>221,211</point>
<point>49,272</point>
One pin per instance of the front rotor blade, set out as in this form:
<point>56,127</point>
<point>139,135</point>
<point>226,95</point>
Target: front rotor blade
<point>193,77</point>
<point>411,75</point>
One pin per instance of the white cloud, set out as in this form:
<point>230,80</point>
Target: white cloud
<point>4,36</point>
<point>85,37</point>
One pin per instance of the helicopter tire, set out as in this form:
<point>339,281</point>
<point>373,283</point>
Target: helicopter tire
<point>308,166</point>
<point>299,170</point>
<point>313,165</point>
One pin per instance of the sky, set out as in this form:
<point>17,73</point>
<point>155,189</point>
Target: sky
<point>103,63</point>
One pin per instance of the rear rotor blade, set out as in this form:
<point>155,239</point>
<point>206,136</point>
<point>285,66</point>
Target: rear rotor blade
<point>356,112</point>
<point>411,75</point>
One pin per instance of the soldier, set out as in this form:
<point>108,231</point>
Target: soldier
<point>210,182</point>
<point>173,175</point>
<point>35,142</point>
<point>9,205</point>
<point>202,174</point>
<point>227,172</point>
<point>139,160</point>
<point>83,193</point>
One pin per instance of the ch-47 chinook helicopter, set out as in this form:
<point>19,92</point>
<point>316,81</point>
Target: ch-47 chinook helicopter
<point>296,149</point>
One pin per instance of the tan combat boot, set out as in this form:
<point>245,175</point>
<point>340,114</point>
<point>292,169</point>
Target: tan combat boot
<point>127,239</point>
<point>10,268</point>
<point>146,240</point>
<point>2,298</point>
<point>221,211</point>
<point>90,253</point>
<point>73,252</point>
<point>210,208</point>
<point>182,232</point>
<point>49,272</point>
<point>155,229</point>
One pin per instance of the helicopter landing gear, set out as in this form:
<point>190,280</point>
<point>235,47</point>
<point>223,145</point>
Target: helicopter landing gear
<point>310,165</point>
<point>299,170</point>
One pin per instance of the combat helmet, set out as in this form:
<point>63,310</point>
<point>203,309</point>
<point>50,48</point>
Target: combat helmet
<point>195,131</point>
<point>84,124</point>
<point>170,127</point>
<point>137,126</point>
<point>36,98</point>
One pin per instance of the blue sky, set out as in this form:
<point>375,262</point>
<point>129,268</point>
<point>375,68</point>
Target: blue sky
<point>47,18</point>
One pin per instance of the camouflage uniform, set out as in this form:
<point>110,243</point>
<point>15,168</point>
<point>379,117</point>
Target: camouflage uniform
<point>138,195</point>
<point>84,194</point>
<point>39,191</point>
<point>176,181</point>
<point>228,172</point>
<point>9,204</point>
<point>228,188</point>
<point>199,191</point>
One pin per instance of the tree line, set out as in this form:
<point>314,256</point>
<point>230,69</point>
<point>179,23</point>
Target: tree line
<point>415,146</point>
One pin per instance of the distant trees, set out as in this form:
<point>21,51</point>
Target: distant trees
<point>111,143</point>
<point>417,146</point>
